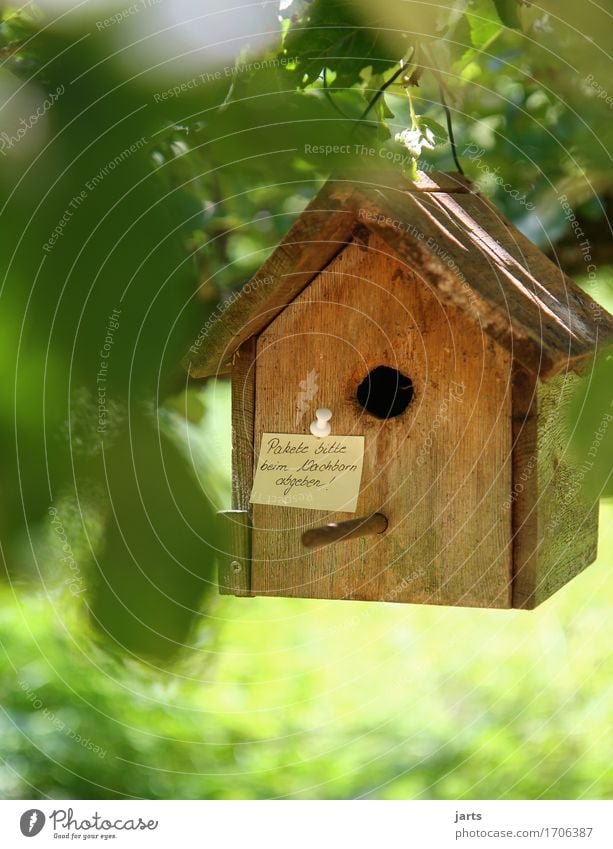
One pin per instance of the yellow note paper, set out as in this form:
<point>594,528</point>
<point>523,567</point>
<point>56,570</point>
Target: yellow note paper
<point>295,470</point>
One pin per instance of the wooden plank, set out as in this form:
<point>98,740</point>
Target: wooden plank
<point>440,181</point>
<point>235,563</point>
<point>243,414</point>
<point>235,567</point>
<point>478,261</point>
<point>523,496</point>
<point>564,322</point>
<point>393,179</point>
<point>322,230</point>
<point>440,472</point>
<point>555,530</point>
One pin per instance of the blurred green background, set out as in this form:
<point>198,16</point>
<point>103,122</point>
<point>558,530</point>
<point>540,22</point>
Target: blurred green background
<point>314,699</point>
<point>151,156</point>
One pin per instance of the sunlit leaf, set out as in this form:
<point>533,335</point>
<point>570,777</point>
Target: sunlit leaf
<point>158,563</point>
<point>485,24</point>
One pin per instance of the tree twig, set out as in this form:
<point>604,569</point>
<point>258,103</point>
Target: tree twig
<point>441,88</point>
<point>381,91</point>
<point>452,141</point>
<point>329,97</point>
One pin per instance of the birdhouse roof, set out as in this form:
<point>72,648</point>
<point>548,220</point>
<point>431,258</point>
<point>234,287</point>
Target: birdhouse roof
<point>458,243</point>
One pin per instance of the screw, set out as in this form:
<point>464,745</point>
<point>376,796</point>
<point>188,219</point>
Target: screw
<point>236,566</point>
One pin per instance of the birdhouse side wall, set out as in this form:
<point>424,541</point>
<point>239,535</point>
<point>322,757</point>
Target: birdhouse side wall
<point>555,528</point>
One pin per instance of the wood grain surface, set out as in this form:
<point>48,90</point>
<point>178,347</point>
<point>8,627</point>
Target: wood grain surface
<point>234,573</point>
<point>476,259</point>
<point>243,417</point>
<point>323,229</point>
<point>555,531</point>
<point>440,472</point>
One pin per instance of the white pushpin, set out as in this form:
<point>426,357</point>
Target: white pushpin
<point>321,426</point>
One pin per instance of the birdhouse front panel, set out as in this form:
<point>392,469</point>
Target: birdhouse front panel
<point>431,395</point>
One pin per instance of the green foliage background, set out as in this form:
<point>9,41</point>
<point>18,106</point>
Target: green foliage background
<point>299,699</point>
<point>175,170</point>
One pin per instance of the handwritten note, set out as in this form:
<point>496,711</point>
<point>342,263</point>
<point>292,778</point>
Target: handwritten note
<point>304,471</point>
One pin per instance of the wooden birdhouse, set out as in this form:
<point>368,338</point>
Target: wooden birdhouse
<point>439,348</point>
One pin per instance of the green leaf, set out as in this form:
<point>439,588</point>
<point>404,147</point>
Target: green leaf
<point>508,12</point>
<point>424,122</point>
<point>158,562</point>
<point>382,109</point>
<point>409,169</point>
<point>188,404</point>
<point>335,35</point>
<point>484,22</point>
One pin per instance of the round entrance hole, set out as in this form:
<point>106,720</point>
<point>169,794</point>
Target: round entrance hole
<point>385,392</point>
